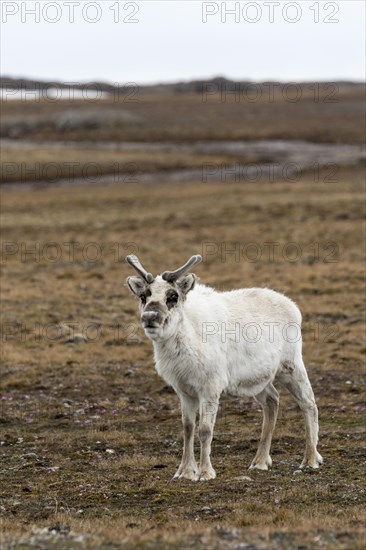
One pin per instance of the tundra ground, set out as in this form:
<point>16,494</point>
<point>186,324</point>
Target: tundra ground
<point>45,140</point>
<point>91,437</point>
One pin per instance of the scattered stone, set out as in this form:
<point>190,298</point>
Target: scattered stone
<point>64,330</point>
<point>76,339</point>
<point>227,534</point>
<point>59,529</point>
<point>243,478</point>
<point>29,456</point>
<point>129,373</point>
<point>40,530</point>
<point>79,538</point>
<point>296,472</point>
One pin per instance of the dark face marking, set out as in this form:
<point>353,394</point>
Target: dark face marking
<point>172,298</point>
<point>144,296</point>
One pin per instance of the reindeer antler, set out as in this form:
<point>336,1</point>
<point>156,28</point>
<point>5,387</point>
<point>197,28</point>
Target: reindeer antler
<point>136,264</point>
<point>171,276</point>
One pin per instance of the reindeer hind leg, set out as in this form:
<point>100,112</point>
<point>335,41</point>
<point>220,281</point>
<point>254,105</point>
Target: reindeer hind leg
<point>296,380</point>
<point>269,400</point>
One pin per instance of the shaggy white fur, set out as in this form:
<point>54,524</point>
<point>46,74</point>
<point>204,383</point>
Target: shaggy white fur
<point>240,342</point>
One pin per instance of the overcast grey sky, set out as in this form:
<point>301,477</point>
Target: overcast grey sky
<point>161,41</point>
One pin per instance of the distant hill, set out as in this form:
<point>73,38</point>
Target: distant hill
<point>193,86</point>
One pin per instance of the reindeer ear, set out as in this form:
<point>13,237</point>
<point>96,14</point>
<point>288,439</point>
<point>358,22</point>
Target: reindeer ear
<point>136,284</point>
<point>187,282</point>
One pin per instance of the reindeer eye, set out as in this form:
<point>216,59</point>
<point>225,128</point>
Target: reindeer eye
<point>143,299</point>
<point>172,299</point>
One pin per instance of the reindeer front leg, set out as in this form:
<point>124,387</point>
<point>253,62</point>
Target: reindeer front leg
<point>208,411</point>
<point>188,468</point>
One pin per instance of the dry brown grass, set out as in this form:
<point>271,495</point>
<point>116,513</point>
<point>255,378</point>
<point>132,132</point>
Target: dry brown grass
<point>186,117</point>
<point>41,163</point>
<point>71,405</point>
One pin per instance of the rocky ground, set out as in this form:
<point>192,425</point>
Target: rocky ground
<point>91,437</point>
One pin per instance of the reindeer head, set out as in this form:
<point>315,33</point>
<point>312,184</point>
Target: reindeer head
<point>162,297</point>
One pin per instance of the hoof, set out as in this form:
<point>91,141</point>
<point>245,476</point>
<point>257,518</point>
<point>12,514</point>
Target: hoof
<point>187,474</point>
<point>205,475</point>
<point>259,464</point>
<point>312,462</point>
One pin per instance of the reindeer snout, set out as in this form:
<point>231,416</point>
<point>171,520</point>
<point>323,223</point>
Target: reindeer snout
<point>149,317</point>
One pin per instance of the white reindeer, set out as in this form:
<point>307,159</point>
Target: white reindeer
<point>239,342</point>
